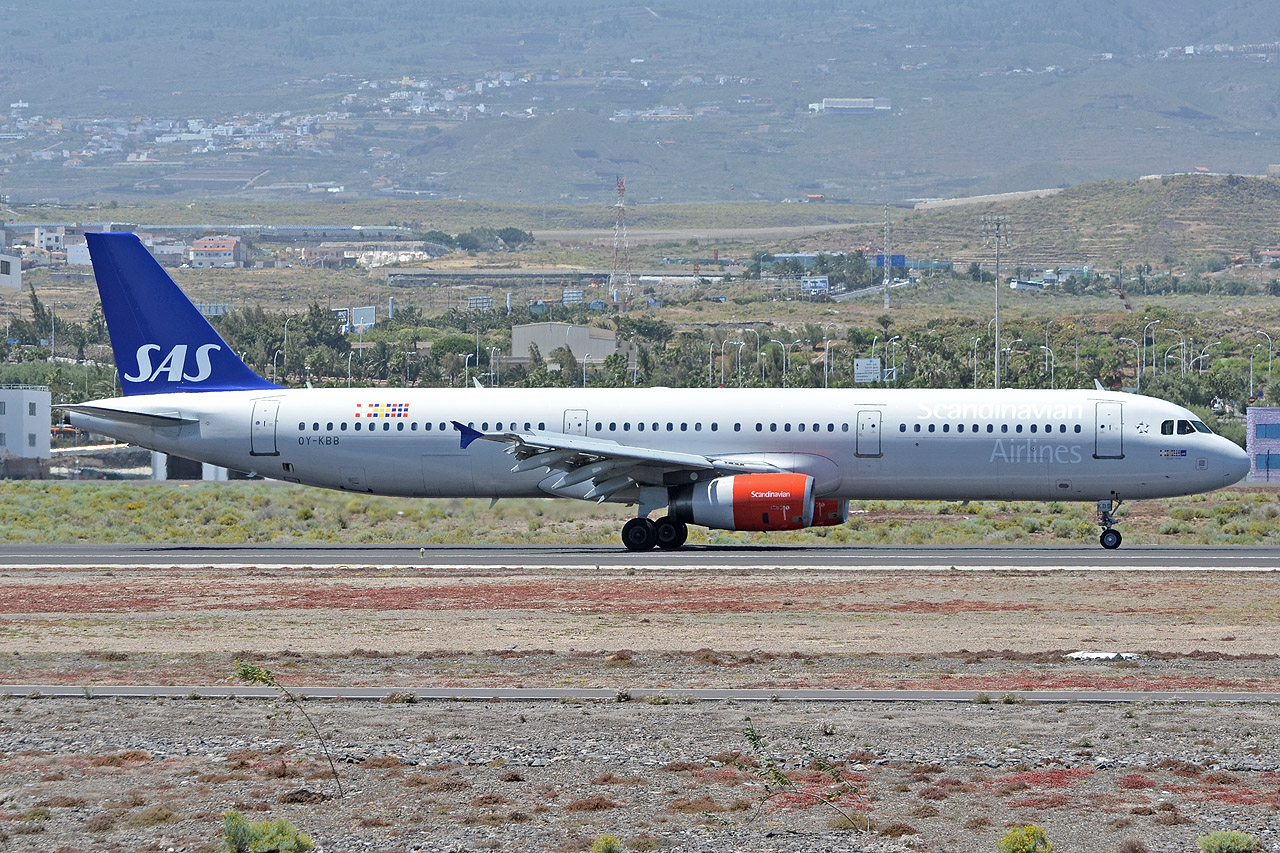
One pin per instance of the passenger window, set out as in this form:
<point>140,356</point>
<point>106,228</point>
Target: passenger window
<point>737,427</point>
<point>1062,427</point>
<point>917,428</point>
<point>316,427</point>
<point>1004,427</point>
<point>844,427</point>
<point>697,427</point>
<point>946,427</point>
<point>1018,428</point>
<point>414,426</point>
<point>786,427</point>
<point>759,427</point>
<point>301,427</point>
<point>613,426</point>
<point>670,427</point>
<point>715,426</point>
<point>684,427</point>
<point>817,427</point>
<point>485,426</point>
<point>526,426</point>
<point>599,426</point>
<point>1033,427</point>
<point>991,427</point>
<point>343,426</point>
<point>626,426</point>
<point>960,428</point>
<point>932,427</point>
<point>802,427</point>
<point>385,426</point>
<point>357,426</point>
<point>328,427</point>
<point>773,427</point>
<point>399,426</point>
<point>542,425</point>
<point>1077,427</point>
<point>831,427</point>
<point>902,427</point>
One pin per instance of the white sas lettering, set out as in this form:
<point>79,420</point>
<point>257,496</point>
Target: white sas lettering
<point>174,364</point>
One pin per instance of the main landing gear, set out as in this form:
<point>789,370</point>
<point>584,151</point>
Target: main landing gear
<point>1110,538</point>
<point>643,534</point>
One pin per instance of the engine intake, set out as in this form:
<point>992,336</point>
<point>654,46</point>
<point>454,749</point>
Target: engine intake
<point>749,502</point>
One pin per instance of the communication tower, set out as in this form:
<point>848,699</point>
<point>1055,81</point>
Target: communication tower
<point>620,275</point>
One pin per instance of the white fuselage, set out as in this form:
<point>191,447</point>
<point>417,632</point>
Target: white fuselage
<point>857,444</point>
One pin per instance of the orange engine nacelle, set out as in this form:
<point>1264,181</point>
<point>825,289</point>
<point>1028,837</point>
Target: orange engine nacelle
<point>748,502</point>
<point>830,512</point>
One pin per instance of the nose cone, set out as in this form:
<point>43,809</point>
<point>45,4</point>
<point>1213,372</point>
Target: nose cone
<point>1235,464</point>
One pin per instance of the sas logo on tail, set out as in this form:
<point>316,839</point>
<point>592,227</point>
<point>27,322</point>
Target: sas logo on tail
<point>174,364</point>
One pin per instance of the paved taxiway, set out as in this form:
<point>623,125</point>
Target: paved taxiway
<point>710,557</point>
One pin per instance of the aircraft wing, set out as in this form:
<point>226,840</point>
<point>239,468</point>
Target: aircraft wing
<point>610,466</point>
<point>145,419</point>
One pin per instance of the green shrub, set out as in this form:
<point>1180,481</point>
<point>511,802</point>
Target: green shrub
<point>266,836</point>
<point>606,844</point>
<point>1227,841</point>
<point>1025,839</point>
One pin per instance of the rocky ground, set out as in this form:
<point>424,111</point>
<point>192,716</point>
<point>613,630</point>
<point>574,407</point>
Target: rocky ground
<point>153,774</point>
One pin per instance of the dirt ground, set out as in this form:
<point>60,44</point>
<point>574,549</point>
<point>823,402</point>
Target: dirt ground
<point>154,774</point>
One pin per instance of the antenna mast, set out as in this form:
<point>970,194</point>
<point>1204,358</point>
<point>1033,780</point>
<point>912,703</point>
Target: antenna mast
<point>621,272</point>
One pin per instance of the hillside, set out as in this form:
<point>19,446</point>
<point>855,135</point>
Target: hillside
<point>1170,221</point>
<point>548,103</point>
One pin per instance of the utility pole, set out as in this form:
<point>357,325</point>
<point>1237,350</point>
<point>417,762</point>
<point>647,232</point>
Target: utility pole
<point>995,231</point>
<point>888,264</point>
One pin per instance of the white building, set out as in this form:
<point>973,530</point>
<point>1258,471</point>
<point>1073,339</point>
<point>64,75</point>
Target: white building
<point>50,239</point>
<point>24,429</point>
<point>10,270</point>
<point>78,255</point>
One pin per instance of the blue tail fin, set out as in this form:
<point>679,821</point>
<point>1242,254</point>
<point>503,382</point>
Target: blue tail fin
<point>161,342</point>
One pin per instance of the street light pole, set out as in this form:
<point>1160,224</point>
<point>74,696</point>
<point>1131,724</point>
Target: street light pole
<point>974,359</point>
<point>584,369</point>
<point>466,366</point>
<point>1053,367</point>
<point>1268,337</point>
<point>995,230</point>
<point>1141,356</point>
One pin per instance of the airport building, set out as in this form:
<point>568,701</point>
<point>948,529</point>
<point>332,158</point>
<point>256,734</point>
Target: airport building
<point>24,431</point>
<point>587,343</point>
<point>1262,443</point>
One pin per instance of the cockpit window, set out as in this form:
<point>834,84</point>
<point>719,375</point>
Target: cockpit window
<point>1166,428</point>
<point>1185,428</point>
<point>1200,427</point>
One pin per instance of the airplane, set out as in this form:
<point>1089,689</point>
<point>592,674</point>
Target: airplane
<point>723,458</point>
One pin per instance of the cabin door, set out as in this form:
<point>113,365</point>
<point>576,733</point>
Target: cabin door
<point>868,439</point>
<point>1109,435</point>
<point>263,434</point>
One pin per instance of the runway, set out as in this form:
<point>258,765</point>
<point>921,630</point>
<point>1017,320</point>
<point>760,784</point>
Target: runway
<point>693,558</point>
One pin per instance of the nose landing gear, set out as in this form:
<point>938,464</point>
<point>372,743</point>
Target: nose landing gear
<point>1110,538</point>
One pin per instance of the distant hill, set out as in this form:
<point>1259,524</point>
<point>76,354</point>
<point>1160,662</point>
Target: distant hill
<point>693,104</point>
<point>1178,219</point>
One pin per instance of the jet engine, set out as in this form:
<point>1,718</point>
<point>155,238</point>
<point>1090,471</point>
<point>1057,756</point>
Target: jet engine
<point>749,502</point>
<point>830,512</point>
